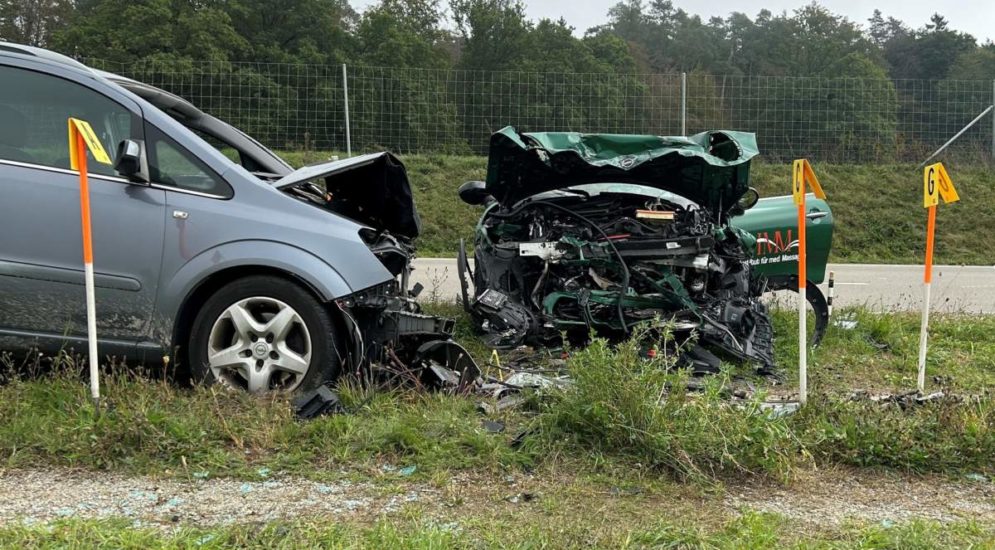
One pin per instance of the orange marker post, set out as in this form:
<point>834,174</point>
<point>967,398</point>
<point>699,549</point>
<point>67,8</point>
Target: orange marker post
<point>803,174</point>
<point>936,184</point>
<point>81,139</point>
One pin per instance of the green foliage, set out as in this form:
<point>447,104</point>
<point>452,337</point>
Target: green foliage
<point>533,530</point>
<point>625,404</point>
<point>933,437</point>
<point>153,426</point>
<point>122,31</point>
<point>272,67</point>
<point>32,22</point>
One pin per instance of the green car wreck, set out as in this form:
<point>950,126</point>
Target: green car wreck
<point>599,232</point>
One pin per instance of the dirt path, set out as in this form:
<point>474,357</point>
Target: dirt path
<point>831,497</point>
<point>825,498</point>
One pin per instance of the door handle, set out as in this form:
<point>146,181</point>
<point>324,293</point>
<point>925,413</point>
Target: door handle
<point>180,215</point>
<point>816,215</point>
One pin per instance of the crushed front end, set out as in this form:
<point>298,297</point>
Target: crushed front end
<point>599,233</point>
<point>386,333</point>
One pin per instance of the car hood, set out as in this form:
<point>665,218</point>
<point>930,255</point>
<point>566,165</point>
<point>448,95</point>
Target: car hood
<point>372,189</point>
<point>710,168</point>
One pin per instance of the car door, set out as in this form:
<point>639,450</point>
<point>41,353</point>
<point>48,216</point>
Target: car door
<point>41,264</point>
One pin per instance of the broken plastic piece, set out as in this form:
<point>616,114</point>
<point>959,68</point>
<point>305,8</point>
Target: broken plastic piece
<point>318,402</point>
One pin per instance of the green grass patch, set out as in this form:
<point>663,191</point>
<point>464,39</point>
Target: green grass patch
<point>880,353</point>
<point>750,530</point>
<point>623,409</point>
<point>625,406</point>
<point>877,208</point>
<point>153,427</point>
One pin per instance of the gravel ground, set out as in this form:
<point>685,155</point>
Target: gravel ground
<point>830,498</point>
<point>824,498</point>
<point>43,495</point>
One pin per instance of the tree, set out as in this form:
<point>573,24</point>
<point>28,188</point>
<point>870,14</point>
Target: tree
<point>978,64</point>
<point>405,37</point>
<point>402,33</point>
<point>925,53</point>
<point>32,22</point>
<point>124,31</point>
<point>293,31</point>
<point>493,33</point>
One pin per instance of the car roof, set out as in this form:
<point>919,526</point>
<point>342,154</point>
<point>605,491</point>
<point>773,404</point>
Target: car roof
<point>40,54</point>
<point>170,104</point>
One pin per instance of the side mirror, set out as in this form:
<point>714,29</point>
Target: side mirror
<point>474,193</point>
<point>749,199</point>
<point>131,161</point>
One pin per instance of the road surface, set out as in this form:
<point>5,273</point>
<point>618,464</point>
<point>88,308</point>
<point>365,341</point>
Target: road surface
<point>965,289</point>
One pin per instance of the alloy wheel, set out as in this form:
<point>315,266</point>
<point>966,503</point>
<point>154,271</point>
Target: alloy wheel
<point>259,344</point>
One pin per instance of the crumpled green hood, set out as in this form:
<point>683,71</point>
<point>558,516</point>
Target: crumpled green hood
<point>710,168</point>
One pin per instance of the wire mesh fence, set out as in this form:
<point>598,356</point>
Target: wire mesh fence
<point>297,106</point>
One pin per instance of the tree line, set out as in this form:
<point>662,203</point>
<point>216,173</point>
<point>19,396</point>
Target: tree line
<point>457,68</point>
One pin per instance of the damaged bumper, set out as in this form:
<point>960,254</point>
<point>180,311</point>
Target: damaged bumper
<point>386,332</point>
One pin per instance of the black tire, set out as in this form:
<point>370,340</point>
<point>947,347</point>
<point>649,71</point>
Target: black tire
<point>324,365</point>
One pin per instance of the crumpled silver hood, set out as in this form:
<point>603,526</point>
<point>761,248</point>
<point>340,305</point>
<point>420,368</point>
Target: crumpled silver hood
<point>372,189</point>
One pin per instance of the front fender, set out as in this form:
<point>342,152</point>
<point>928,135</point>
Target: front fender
<point>317,273</point>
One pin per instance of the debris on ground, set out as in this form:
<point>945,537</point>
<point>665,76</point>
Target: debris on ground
<point>522,497</point>
<point>491,426</point>
<point>318,402</point>
<point>914,398</point>
<point>845,324</point>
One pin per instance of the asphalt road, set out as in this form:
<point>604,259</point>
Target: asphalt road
<point>966,289</point>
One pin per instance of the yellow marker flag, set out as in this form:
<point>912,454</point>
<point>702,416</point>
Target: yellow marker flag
<point>82,128</point>
<point>936,184</point>
<point>802,174</point>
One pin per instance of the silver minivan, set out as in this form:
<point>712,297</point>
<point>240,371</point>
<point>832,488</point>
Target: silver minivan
<point>207,246</point>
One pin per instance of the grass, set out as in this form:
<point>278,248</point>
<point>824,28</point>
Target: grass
<point>881,352</point>
<point>153,427</point>
<point>626,423</point>
<point>878,208</point>
<point>614,414</point>
<point>750,530</point>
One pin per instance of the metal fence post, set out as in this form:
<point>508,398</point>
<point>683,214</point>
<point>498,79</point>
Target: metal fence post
<point>345,96</point>
<point>993,121</point>
<point>684,104</point>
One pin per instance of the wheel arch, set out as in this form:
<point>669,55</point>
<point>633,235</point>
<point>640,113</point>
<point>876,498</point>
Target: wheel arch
<point>191,283</point>
<point>192,302</point>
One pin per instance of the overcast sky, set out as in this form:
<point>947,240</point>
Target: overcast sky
<point>976,17</point>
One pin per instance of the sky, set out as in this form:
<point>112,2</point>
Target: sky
<point>976,17</point>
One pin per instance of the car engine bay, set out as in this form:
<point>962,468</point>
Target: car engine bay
<point>577,263</point>
<point>613,251</point>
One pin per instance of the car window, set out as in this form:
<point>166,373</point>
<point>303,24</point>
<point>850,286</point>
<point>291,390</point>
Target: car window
<point>34,109</point>
<point>222,147</point>
<point>171,164</point>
